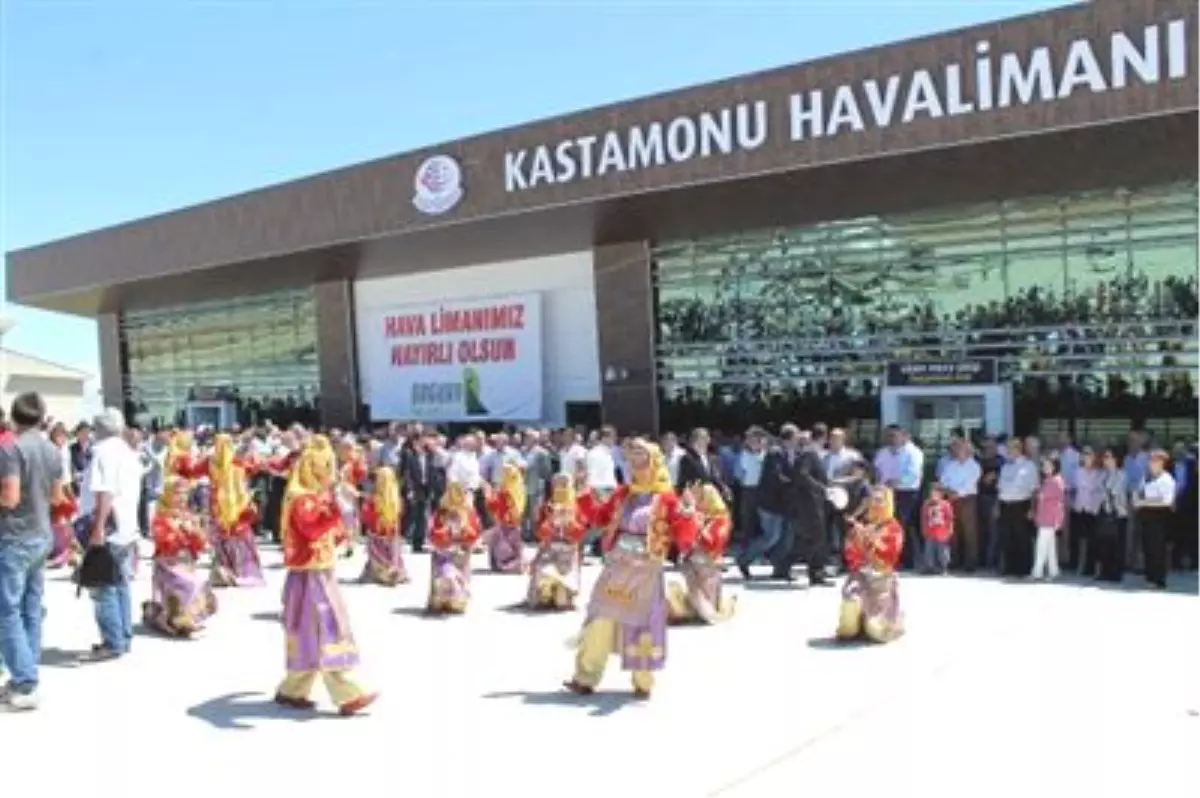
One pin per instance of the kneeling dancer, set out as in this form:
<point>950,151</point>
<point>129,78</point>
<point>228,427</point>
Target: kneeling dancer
<point>319,640</point>
<point>452,539</point>
<point>554,569</point>
<point>870,601</point>
<point>506,549</point>
<point>627,612</point>
<point>181,599</point>
<point>701,596</point>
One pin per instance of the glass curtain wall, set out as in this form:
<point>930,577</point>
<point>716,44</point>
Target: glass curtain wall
<point>260,351</point>
<point>1087,301</point>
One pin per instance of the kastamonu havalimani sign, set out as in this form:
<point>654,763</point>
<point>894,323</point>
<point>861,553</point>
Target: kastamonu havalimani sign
<point>460,360</point>
<point>921,373</point>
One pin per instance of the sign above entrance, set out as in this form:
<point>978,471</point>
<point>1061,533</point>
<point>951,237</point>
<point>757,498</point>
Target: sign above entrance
<point>459,360</point>
<point>990,79</point>
<point>923,373</point>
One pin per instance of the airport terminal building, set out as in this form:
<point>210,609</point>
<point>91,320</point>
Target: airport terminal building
<point>994,227</point>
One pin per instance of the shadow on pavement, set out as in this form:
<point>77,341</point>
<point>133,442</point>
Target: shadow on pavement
<point>60,658</point>
<point>600,703</point>
<point>231,712</point>
<point>834,644</point>
<point>521,608</point>
<point>422,612</point>
<point>270,616</point>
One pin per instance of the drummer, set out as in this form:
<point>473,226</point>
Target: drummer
<point>848,496</point>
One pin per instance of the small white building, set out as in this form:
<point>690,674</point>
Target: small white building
<point>63,388</point>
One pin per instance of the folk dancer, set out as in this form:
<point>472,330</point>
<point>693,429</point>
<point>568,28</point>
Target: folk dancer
<point>554,571</point>
<point>381,514</point>
<point>870,601</point>
<point>700,597</point>
<point>506,506</point>
<point>315,621</point>
<point>232,513</point>
<point>352,475</point>
<point>181,598</point>
<point>454,533</point>
<point>627,612</point>
<point>66,549</point>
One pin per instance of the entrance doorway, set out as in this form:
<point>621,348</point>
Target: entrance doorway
<point>933,418</point>
<point>930,413</point>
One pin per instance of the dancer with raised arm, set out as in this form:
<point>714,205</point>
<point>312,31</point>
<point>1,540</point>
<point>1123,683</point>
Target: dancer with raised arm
<point>701,596</point>
<point>452,538</point>
<point>181,599</point>
<point>319,641</point>
<point>381,514</point>
<point>627,612</point>
<point>353,473</point>
<point>870,601</point>
<point>506,505</point>
<point>554,570</point>
<point>232,513</point>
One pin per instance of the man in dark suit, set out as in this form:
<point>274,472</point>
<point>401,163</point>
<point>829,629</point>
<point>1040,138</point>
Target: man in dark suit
<point>775,501</point>
<point>422,481</point>
<point>698,466</point>
<point>1184,520</point>
<point>81,456</point>
<point>805,533</point>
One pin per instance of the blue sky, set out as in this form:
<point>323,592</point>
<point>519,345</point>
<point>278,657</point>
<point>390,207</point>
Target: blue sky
<point>114,110</point>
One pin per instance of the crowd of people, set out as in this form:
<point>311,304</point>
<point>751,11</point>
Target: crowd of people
<point>1117,351</point>
<point>84,498</point>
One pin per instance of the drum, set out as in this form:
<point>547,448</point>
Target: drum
<point>838,497</point>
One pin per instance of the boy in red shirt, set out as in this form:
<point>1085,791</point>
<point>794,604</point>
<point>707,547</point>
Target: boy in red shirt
<point>937,524</point>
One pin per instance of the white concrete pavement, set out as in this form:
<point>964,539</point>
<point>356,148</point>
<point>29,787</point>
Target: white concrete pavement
<point>1030,687</point>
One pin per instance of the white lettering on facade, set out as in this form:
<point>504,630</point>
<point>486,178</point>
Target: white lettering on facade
<point>1145,57</point>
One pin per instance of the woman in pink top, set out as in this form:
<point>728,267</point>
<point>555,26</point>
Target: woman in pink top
<point>1050,509</point>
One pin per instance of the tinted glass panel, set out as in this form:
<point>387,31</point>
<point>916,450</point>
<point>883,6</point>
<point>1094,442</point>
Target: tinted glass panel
<point>259,350</point>
<point>1089,302</point>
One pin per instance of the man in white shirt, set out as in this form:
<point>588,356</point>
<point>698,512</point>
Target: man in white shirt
<point>601,466</point>
<point>572,453</point>
<point>111,491</point>
<point>901,466</point>
<point>960,478</point>
<point>464,465</point>
<point>1019,481</point>
<point>601,474</point>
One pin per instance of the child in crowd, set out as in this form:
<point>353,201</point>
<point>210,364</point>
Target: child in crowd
<point>1049,512</point>
<point>937,525</point>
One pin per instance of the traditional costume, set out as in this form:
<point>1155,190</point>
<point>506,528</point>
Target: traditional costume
<point>506,506</point>
<point>66,550</point>
<point>352,475</point>
<point>181,599</point>
<point>319,640</point>
<point>870,601</point>
<point>381,514</point>
<point>232,513</point>
<point>701,596</point>
<point>627,613</point>
<point>554,570</point>
<point>454,533</point>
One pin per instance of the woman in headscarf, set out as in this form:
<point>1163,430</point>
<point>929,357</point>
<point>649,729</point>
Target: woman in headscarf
<point>701,597</point>
<point>452,537</point>
<point>381,514</point>
<point>627,613</point>
<point>870,601</point>
<point>506,506</point>
<point>319,641</point>
<point>352,475</point>
<point>554,570</point>
<point>232,513</point>
<point>181,599</point>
